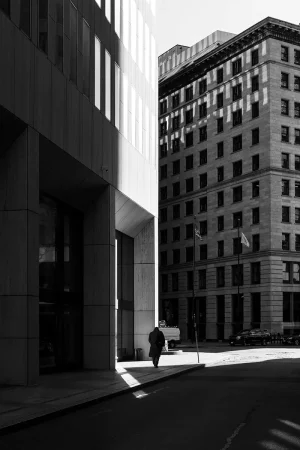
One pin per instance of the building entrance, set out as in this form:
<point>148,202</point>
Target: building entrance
<point>61,286</point>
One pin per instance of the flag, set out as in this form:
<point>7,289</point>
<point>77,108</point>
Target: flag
<point>244,240</point>
<point>197,234</point>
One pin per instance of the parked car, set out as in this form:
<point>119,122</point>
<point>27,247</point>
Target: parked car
<point>172,334</point>
<point>291,340</point>
<point>250,337</point>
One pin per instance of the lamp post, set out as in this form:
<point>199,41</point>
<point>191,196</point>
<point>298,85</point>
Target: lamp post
<point>238,271</point>
<point>194,300</point>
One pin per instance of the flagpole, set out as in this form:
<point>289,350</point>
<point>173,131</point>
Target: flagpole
<point>194,302</point>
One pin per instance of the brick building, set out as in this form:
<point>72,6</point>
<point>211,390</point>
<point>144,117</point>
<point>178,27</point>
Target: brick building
<point>229,143</point>
<point>78,184</point>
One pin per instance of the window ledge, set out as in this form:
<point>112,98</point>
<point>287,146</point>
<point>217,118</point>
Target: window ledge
<point>236,151</point>
<point>254,145</point>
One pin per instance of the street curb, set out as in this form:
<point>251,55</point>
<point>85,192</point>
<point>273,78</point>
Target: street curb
<point>72,408</point>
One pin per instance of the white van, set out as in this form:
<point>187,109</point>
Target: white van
<point>172,334</point>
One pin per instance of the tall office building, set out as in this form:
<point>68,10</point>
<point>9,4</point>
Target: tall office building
<point>229,148</point>
<point>78,184</point>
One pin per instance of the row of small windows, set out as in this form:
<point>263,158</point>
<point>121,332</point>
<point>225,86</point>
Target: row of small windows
<point>290,275</point>
<point>237,144</point>
<point>237,217</point>
<point>285,81</point>
<point>285,55</point>
<point>285,108</point>
<point>237,170</point>
<point>237,119</point>
<point>236,95</point>
<point>236,272</point>
<point>189,251</point>
<point>237,220</point>
<point>203,86</point>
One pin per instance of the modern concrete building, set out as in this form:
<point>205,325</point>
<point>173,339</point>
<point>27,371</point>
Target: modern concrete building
<point>229,154</point>
<point>78,184</point>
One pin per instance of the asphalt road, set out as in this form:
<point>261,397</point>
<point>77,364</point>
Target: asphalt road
<point>240,405</point>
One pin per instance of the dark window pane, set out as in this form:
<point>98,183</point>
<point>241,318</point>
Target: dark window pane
<point>86,57</point>
<point>43,25</point>
<point>5,6</point>
<point>73,38</point>
<point>286,306</point>
<point>25,16</point>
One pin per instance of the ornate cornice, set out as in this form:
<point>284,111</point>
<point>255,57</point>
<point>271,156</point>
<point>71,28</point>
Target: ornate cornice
<point>267,28</point>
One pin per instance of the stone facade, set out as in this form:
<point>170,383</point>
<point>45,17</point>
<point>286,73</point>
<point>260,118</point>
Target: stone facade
<point>259,50</point>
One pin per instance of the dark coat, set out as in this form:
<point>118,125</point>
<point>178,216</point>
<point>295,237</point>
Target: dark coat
<point>157,341</point>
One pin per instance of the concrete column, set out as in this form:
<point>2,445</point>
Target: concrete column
<point>99,282</point>
<point>145,285</point>
<point>19,269</point>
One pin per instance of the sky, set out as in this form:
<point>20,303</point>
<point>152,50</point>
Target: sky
<point>187,22</point>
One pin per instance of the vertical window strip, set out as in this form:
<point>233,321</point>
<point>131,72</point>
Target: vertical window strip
<point>133,29</point>
<point>108,9</point>
<point>86,57</point>
<point>140,148</point>
<point>73,38</point>
<point>118,18</point>
<point>97,73</point>
<point>117,96</point>
<point>133,115</point>
<point>43,25</point>
<point>107,85</point>
<point>140,40</point>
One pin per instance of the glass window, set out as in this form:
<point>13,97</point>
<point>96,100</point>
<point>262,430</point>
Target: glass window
<point>163,214</point>
<point>175,100</point>
<point>107,85</point>
<point>220,125</point>
<point>285,134</point>
<point>296,56</point>
<point>285,241</point>
<point>296,273</point>
<point>189,116</point>
<point>189,208</point>
<point>176,211</point>
<point>297,136</point>
<point>43,25</point>
<point>219,75</point>
<point>237,274</point>
<point>285,187</point>
<point>203,204</point>
<point>164,282</point>
<point>237,143</point>
<point>189,139</point>
<point>255,189</point>
<point>220,276</point>
<point>220,149</point>
<point>174,282</point>
<point>237,219</point>
<point>220,197</point>
<point>189,162</point>
<point>220,223</point>
<point>220,100</point>
<point>202,278</point>
<point>297,215</point>
<point>220,173</point>
<point>203,110</point>
<point>108,9</point>
<point>255,162</point>
<point>297,83</point>
<point>284,107</point>
<point>73,42</point>
<point>286,306</point>
<point>255,110</point>
<point>189,93</point>
<point>285,164</point>
<point>189,228</point>
<point>203,86</point>
<point>237,194</point>
<point>117,97</point>
<point>255,243</point>
<point>255,83</point>
<point>254,57</point>
<point>237,167</point>
<point>176,256</point>
<point>255,273</point>
<point>203,180</point>
<point>286,272</point>
<point>284,80</point>
<point>237,118</point>
<point>163,236</point>
<point>117,18</point>
<point>97,73</point>
<point>86,58</point>
<point>189,252</point>
<point>203,252</point>
<point>237,92</point>
<point>237,66</point>
<point>284,53</point>
<point>255,216</point>
<point>297,188</point>
<point>189,184</point>
<point>176,234</point>
<point>255,136</point>
<point>25,16</point>
<point>203,133</point>
<point>220,248</point>
<point>285,214</point>
<point>190,280</point>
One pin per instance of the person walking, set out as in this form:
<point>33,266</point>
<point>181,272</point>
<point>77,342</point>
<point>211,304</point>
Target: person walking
<point>157,341</point>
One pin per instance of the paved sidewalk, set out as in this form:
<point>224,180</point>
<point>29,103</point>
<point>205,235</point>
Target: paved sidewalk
<point>59,393</point>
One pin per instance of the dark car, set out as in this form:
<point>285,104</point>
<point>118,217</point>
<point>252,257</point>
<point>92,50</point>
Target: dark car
<point>250,337</point>
<point>291,340</point>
